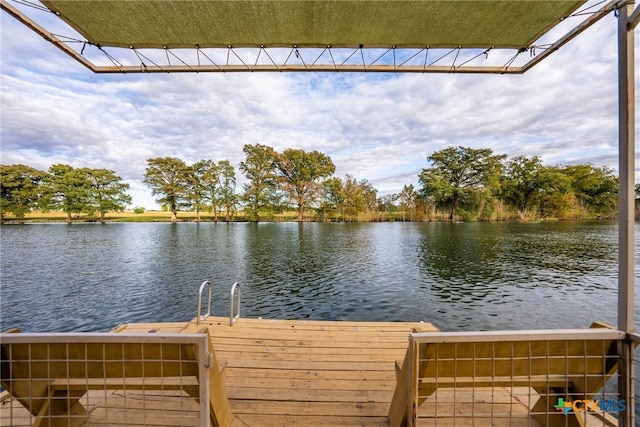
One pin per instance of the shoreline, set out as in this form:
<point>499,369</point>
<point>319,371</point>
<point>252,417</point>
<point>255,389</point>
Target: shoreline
<point>190,217</point>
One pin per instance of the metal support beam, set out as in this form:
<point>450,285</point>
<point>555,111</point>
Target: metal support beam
<point>604,11</point>
<point>347,68</point>
<point>634,19</point>
<point>626,93</point>
<point>626,200</point>
<point>6,6</point>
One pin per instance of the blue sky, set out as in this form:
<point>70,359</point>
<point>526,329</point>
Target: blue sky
<point>375,127</point>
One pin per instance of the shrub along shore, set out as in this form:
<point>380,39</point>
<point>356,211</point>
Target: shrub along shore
<point>36,217</point>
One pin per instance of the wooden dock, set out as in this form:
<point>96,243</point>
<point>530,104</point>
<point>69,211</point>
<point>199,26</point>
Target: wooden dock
<point>301,372</point>
<point>292,372</point>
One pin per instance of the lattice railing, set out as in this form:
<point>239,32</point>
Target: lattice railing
<point>542,377</point>
<point>72,379</point>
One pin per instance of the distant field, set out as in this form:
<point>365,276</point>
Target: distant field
<point>148,216</point>
<point>159,216</point>
<point>126,216</point>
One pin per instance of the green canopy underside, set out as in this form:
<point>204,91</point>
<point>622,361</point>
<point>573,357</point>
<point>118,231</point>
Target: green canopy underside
<point>312,23</point>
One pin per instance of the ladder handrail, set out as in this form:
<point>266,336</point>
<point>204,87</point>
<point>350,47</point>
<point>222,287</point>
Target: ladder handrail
<point>200,318</point>
<point>232,318</point>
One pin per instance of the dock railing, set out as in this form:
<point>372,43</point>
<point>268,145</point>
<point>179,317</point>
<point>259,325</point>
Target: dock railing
<point>234,318</point>
<point>634,381</point>
<point>555,377</point>
<point>199,316</point>
<point>129,379</point>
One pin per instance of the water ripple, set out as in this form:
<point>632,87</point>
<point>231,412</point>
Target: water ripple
<point>88,277</point>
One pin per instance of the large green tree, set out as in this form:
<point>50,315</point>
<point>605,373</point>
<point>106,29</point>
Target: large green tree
<point>558,200</point>
<point>169,179</point>
<point>299,173</point>
<point>525,183</point>
<point>360,197</point>
<point>460,175</point>
<point>208,174</point>
<point>20,189</point>
<point>333,197</point>
<point>260,189</point>
<point>198,185</point>
<point>227,186</point>
<point>408,201</point>
<point>107,192</point>
<point>596,188</point>
<point>66,189</point>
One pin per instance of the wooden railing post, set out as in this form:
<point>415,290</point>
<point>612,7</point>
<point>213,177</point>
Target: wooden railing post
<point>413,386</point>
<point>402,404</point>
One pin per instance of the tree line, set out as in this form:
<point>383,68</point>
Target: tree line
<point>276,181</point>
<point>461,183</point>
<point>94,192</point>
<point>473,184</point>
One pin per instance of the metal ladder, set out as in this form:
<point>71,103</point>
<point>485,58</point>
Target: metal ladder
<point>232,318</point>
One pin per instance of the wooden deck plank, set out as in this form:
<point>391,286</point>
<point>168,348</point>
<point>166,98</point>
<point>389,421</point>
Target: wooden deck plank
<point>272,324</point>
<point>311,421</point>
<point>293,394</point>
<point>326,343</point>
<point>168,327</point>
<point>232,347</point>
<point>309,343</point>
<point>356,375</point>
<point>347,356</point>
<point>313,365</point>
<point>298,334</point>
<point>258,331</point>
<point>344,409</point>
<point>310,383</point>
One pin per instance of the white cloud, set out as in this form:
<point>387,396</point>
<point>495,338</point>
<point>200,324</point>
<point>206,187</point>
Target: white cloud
<point>375,127</point>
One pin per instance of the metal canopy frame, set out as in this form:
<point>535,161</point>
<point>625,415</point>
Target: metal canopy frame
<point>402,59</point>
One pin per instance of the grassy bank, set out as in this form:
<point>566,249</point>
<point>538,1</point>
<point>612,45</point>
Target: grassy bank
<point>187,216</point>
<point>126,216</point>
<point>161,216</point>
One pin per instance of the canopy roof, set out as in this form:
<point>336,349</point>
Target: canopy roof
<point>312,23</point>
<point>310,35</point>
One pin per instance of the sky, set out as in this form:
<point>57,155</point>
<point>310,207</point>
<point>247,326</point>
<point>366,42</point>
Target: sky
<point>378,127</point>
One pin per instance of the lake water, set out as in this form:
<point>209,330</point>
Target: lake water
<point>465,276</point>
